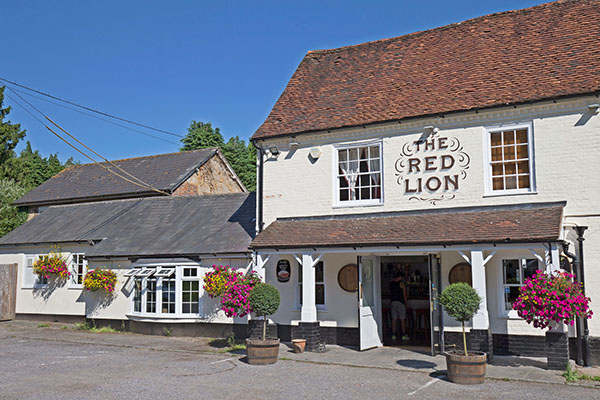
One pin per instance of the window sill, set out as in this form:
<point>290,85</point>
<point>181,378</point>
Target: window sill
<point>166,318</point>
<point>357,204</point>
<point>517,193</point>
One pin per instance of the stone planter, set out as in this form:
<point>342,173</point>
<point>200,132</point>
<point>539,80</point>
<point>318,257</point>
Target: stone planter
<point>466,370</point>
<point>299,345</point>
<point>262,352</point>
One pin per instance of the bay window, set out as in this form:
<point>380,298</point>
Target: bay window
<point>166,291</point>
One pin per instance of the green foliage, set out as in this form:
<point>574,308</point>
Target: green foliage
<point>264,299</point>
<point>460,301</point>
<point>10,216</point>
<point>242,157</point>
<point>10,135</point>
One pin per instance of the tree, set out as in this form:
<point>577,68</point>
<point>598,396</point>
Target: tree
<point>201,136</point>
<point>241,157</point>
<point>461,302</point>
<point>10,135</point>
<point>10,216</point>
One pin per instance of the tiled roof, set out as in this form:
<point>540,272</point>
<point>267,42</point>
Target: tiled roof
<point>544,52</point>
<point>155,226</point>
<point>497,224</point>
<point>91,181</point>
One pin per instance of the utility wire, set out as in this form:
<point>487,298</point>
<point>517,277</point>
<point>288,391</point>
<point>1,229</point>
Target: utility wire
<point>91,109</point>
<point>142,184</point>
<point>91,115</point>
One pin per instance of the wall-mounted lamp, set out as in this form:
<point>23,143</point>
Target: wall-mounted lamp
<point>594,108</point>
<point>294,144</point>
<point>432,130</point>
<point>315,153</point>
<point>274,151</point>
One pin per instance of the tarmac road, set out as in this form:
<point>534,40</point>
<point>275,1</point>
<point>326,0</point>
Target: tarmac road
<point>35,368</point>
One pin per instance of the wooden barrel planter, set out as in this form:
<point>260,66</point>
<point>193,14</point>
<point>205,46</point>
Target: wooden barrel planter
<point>466,370</point>
<point>262,352</point>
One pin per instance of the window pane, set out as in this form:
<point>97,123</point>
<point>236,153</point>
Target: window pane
<point>374,151</point>
<point>320,294</point>
<point>509,137</point>
<point>511,182</point>
<point>168,296</point>
<point>522,136</point>
<point>522,151</point>
<point>497,169</point>
<point>365,193</point>
<point>364,180</point>
<point>531,265</point>
<point>185,308</point>
<point>342,155</point>
<point>524,182</point>
<point>151,296</point>
<point>510,168</point>
<point>511,271</point>
<point>137,296</point>
<point>353,154</point>
<point>509,153</point>
<point>376,192</point>
<point>510,295</point>
<point>364,153</point>
<point>497,154</point>
<point>498,184</point>
<point>186,296</point>
<point>496,139</point>
<point>319,277</point>
<point>344,195</point>
<point>523,167</point>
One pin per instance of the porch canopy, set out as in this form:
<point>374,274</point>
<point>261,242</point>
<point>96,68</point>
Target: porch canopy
<point>474,232</point>
<point>521,223</point>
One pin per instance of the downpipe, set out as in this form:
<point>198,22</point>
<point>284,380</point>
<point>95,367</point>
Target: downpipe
<point>259,195</point>
<point>578,321</point>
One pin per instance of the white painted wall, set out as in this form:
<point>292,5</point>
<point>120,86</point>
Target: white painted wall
<point>56,298</point>
<point>566,144</point>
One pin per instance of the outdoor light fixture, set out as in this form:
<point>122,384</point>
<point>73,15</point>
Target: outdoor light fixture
<point>294,144</point>
<point>274,151</point>
<point>315,152</point>
<point>431,129</point>
<point>594,108</point>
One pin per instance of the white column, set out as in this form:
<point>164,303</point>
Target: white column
<point>481,319</point>
<point>555,257</point>
<point>261,262</point>
<point>309,306</point>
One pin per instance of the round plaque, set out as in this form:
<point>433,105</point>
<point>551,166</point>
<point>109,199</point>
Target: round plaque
<point>348,278</point>
<point>461,273</point>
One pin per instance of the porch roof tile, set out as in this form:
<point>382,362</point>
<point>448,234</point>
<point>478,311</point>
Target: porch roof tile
<point>534,222</point>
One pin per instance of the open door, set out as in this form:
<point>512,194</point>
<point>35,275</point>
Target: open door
<point>436,315</point>
<point>367,303</point>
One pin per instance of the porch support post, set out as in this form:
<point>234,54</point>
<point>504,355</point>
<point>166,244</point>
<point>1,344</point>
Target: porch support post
<point>308,312</point>
<point>481,336</point>
<point>261,262</point>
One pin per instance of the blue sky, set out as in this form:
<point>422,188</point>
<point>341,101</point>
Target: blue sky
<point>166,63</point>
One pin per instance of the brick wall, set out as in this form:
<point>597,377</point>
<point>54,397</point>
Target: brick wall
<point>211,178</point>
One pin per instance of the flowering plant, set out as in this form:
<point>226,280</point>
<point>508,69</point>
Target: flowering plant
<point>554,297</point>
<point>100,279</point>
<point>219,279</point>
<point>233,287</point>
<point>51,264</point>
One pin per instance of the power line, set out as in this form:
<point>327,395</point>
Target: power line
<point>91,109</point>
<point>92,116</point>
<point>142,184</point>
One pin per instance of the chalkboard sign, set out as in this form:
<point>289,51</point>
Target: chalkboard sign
<point>348,278</point>
<point>283,271</point>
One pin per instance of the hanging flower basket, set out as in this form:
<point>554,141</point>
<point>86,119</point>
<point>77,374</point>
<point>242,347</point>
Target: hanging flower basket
<point>100,279</point>
<point>51,265</point>
<point>548,298</point>
<point>233,287</point>
<point>219,279</point>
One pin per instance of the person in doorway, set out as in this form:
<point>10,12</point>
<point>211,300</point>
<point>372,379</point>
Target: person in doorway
<point>398,305</point>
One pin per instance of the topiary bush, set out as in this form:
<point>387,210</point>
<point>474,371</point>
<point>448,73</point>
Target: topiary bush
<point>461,302</point>
<point>264,300</point>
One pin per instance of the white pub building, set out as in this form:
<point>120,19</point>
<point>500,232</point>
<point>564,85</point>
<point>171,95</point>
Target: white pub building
<point>463,153</point>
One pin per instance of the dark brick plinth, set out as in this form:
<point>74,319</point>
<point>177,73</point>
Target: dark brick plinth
<point>557,350</point>
<point>255,329</point>
<point>312,333</point>
<point>481,340</point>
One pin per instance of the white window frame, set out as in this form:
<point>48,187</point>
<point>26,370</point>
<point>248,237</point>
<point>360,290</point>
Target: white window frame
<point>336,188</point>
<point>320,307</point>
<point>488,184</point>
<point>179,279</point>
<point>502,311</point>
<point>73,267</point>
<point>28,271</point>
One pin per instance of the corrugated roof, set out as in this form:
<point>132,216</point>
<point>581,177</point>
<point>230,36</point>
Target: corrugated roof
<point>544,52</point>
<point>87,182</point>
<point>157,226</point>
<point>492,224</point>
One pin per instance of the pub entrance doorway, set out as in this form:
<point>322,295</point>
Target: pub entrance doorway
<point>420,276</point>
